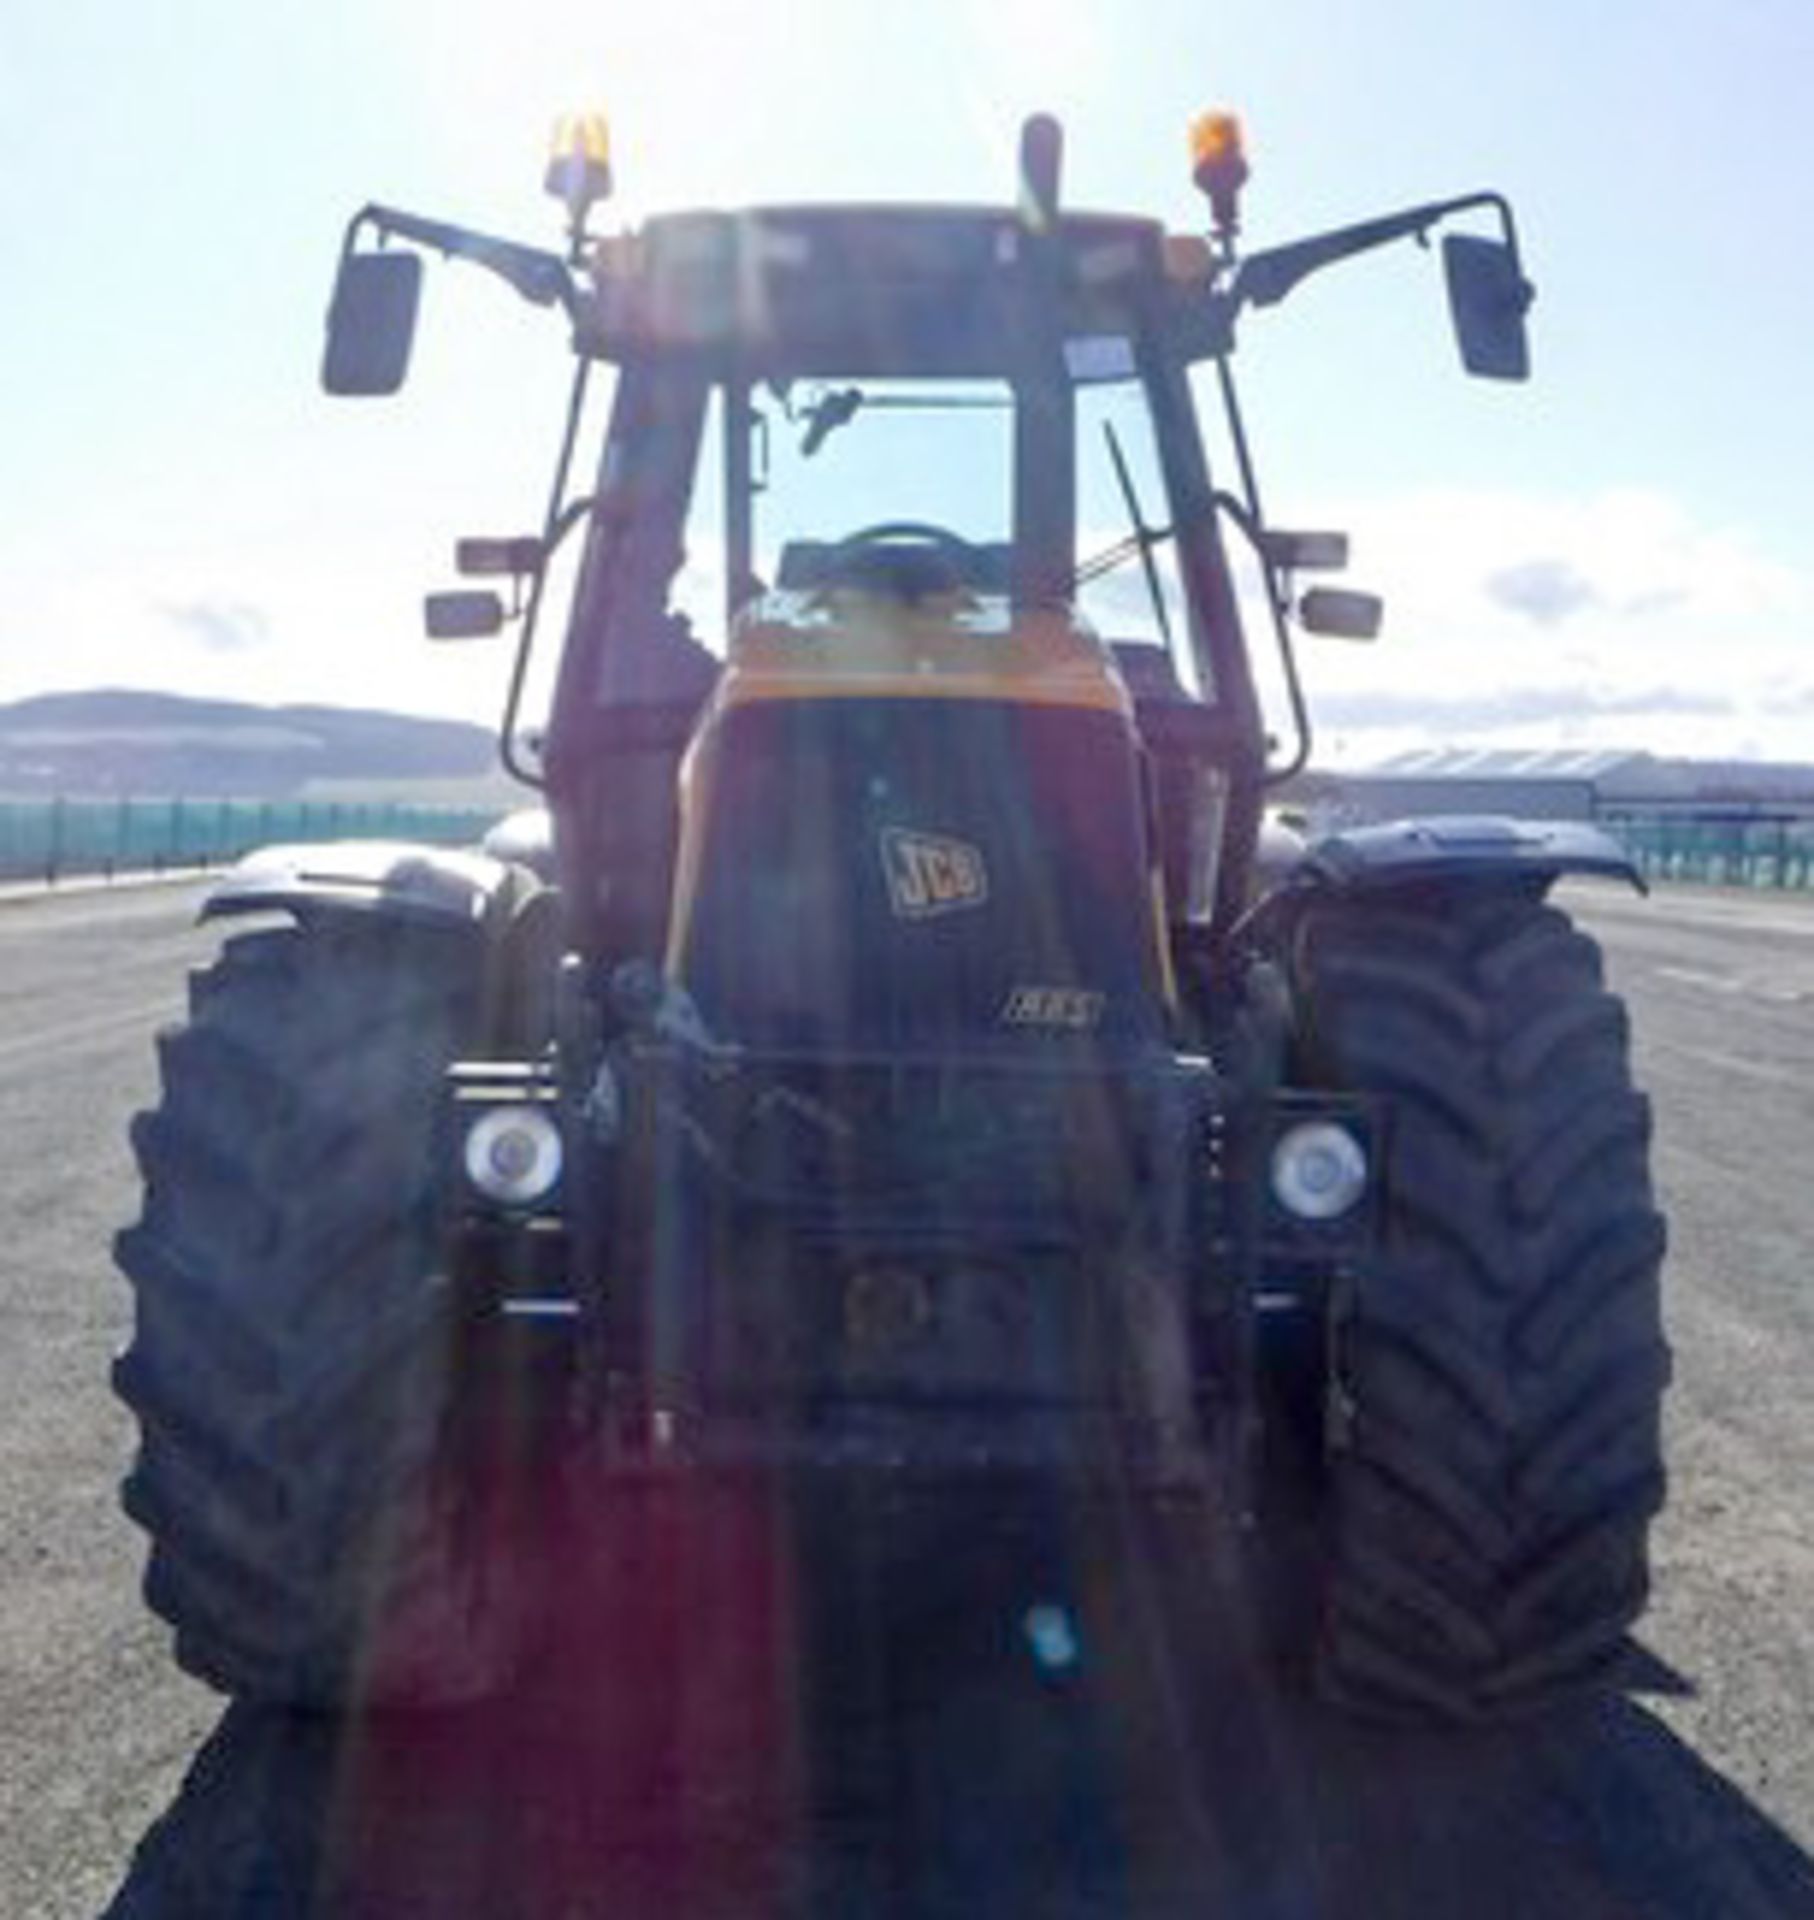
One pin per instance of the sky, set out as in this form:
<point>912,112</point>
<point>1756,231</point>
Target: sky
<point>1619,553</point>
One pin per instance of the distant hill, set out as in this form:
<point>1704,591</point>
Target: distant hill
<point>150,744</point>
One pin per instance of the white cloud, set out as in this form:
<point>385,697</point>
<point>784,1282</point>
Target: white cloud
<point>265,622</point>
<point>1668,633</point>
<point>1548,591</point>
<point>221,626</point>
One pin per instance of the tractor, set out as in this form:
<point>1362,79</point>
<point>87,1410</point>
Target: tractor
<point>903,1063</point>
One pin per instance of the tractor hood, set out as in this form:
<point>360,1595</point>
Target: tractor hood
<point>854,643</point>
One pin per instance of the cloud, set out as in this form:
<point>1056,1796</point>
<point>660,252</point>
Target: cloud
<point>1546,591</point>
<point>221,626</point>
<point>1655,600</point>
<point>1617,619</point>
<point>1784,698</point>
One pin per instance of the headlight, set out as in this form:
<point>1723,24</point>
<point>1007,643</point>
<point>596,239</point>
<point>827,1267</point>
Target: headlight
<point>1319,1170</point>
<point>513,1155</point>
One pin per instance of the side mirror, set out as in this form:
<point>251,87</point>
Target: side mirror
<point>1341,614</point>
<point>462,616</point>
<point>372,322</point>
<point>1488,299</point>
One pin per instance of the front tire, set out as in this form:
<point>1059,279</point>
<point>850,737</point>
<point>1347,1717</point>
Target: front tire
<point>291,1365</point>
<point>1497,1365</point>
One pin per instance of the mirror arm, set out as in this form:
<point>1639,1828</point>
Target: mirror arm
<point>1255,517</point>
<point>1277,603</point>
<point>561,517</point>
<point>541,278</point>
<point>1264,279</point>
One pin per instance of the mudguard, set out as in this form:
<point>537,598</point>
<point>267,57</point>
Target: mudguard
<point>388,877</point>
<point>1279,852</point>
<point>524,839</point>
<point>1408,852</point>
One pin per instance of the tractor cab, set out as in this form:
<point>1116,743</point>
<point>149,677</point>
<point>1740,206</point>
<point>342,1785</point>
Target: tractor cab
<point>902,522</point>
<point>875,624</point>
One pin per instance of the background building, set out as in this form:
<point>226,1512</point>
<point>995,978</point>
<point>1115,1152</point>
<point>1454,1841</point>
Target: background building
<point>1568,783</point>
<point>1740,821</point>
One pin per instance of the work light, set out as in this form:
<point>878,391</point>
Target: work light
<point>513,1155</point>
<point>1319,1170</point>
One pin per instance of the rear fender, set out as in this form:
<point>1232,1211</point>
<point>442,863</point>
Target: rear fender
<point>1418,852</point>
<point>524,839</point>
<point>390,879</point>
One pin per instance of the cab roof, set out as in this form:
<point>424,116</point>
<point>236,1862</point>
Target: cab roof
<point>940,291</point>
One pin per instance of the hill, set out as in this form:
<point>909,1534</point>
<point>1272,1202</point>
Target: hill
<point>116,742</point>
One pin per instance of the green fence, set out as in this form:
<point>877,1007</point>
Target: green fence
<point>59,839</point>
<point>1739,852</point>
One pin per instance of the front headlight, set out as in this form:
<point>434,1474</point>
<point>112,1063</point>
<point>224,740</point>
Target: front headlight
<point>1319,1170</point>
<point>513,1155</point>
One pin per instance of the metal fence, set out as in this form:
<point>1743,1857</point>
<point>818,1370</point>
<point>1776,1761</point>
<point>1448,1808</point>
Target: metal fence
<point>57,839</point>
<point>1722,852</point>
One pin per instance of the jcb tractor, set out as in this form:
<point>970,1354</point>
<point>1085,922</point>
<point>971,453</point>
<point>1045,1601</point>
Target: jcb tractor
<point>903,1062</point>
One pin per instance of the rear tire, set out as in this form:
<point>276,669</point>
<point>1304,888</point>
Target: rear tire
<point>291,1365</point>
<point>1497,1364</point>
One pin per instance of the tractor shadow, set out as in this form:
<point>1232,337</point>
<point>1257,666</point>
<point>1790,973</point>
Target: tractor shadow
<point>927,1764</point>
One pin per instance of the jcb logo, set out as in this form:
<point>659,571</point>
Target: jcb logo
<point>928,875</point>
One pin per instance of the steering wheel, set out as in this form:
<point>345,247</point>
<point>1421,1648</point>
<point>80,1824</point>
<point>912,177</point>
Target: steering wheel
<point>911,557</point>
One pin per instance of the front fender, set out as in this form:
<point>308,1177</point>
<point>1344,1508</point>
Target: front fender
<point>393,878</point>
<point>1411,852</point>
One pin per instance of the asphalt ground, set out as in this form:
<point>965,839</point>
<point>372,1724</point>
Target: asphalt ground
<point>1174,1766</point>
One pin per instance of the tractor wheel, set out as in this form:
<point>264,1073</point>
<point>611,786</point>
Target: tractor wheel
<point>290,1364</point>
<point>1497,1365</point>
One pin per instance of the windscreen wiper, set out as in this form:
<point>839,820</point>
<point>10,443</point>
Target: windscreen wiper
<point>840,405</point>
<point>1142,540</point>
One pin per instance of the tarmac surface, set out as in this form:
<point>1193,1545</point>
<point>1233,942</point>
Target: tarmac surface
<point>931,1762</point>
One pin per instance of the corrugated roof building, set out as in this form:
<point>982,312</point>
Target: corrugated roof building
<point>1560,783</point>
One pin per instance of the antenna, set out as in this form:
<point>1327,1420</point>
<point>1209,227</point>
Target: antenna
<point>1041,163</point>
